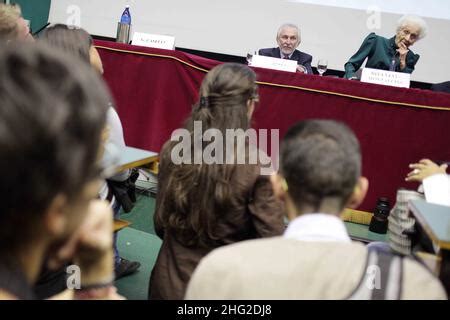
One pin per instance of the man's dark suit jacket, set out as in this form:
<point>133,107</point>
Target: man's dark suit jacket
<point>302,58</point>
<point>441,87</point>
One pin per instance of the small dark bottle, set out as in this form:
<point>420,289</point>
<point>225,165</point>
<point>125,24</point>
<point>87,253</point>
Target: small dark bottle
<point>379,222</point>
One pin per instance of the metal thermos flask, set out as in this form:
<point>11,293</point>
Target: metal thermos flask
<point>123,33</point>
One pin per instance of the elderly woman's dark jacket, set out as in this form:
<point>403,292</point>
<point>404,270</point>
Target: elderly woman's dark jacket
<point>379,52</point>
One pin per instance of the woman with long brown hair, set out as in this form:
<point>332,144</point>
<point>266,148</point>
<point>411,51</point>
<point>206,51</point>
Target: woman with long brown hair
<point>202,206</point>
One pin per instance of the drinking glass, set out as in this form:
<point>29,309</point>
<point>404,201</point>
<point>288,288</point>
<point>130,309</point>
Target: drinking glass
<point>322,66</point>
<point>250,54</point>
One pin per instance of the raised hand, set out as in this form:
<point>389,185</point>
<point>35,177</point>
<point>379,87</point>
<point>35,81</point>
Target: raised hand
<point>402,51</point>
<point>423,169</point>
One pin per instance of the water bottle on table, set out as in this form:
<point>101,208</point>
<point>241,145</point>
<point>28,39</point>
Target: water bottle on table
<point>124,26</point>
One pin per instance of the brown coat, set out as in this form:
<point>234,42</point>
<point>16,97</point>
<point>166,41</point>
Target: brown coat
<point>260,216</point>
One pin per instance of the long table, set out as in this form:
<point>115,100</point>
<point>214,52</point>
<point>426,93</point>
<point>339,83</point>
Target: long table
<point>154,91</point>
<point>435,221</point>
<point>132,158</point>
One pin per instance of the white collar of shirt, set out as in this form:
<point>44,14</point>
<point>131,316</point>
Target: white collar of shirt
<point>317,227</point>
<point>282,54</point>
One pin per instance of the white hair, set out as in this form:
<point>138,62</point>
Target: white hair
<point>289,25</point>
<point>413,20</point>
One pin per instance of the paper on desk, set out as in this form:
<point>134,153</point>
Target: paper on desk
<point>437,189</point>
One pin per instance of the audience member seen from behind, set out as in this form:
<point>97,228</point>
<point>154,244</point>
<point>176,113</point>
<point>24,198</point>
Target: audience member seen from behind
<point>200,207</point>
<point>434,178</point>
<point>52,112</point>
<point>12,25</point>
<point>392,54</point>
<point>288,39</point>
<point>78,42</point>
<point>320,175</point>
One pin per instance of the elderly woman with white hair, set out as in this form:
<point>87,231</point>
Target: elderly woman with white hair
<point>390,54</point>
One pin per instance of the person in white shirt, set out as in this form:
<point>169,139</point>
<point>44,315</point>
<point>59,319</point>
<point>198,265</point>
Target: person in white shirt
<point>320,175</point>
<point>435,181</point>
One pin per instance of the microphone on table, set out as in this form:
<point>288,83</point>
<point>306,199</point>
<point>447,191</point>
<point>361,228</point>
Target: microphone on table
<point>393,65</point>
<point>41,29</point>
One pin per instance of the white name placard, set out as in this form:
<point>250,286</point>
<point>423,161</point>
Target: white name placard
<point>273,63</point>
<point>153,41</point>
<point>388,78</point>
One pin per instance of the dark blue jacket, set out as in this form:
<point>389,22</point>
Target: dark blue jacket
<point>302,58</point>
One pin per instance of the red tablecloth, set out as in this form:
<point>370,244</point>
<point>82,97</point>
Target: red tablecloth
<point>154,90</point>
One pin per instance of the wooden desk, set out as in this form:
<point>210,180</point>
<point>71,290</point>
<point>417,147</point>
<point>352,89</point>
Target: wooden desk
<point>119,224</point>
<point>133,157</point>
<point>435,220</point>
<point>360,232</point>
<point>129,158</point>
<point>357,223</point>
<point>357,216</point>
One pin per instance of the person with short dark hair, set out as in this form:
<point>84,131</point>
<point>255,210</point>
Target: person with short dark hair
<point>203,205</point>
<point>320,175</point>
<point>52,113</point>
